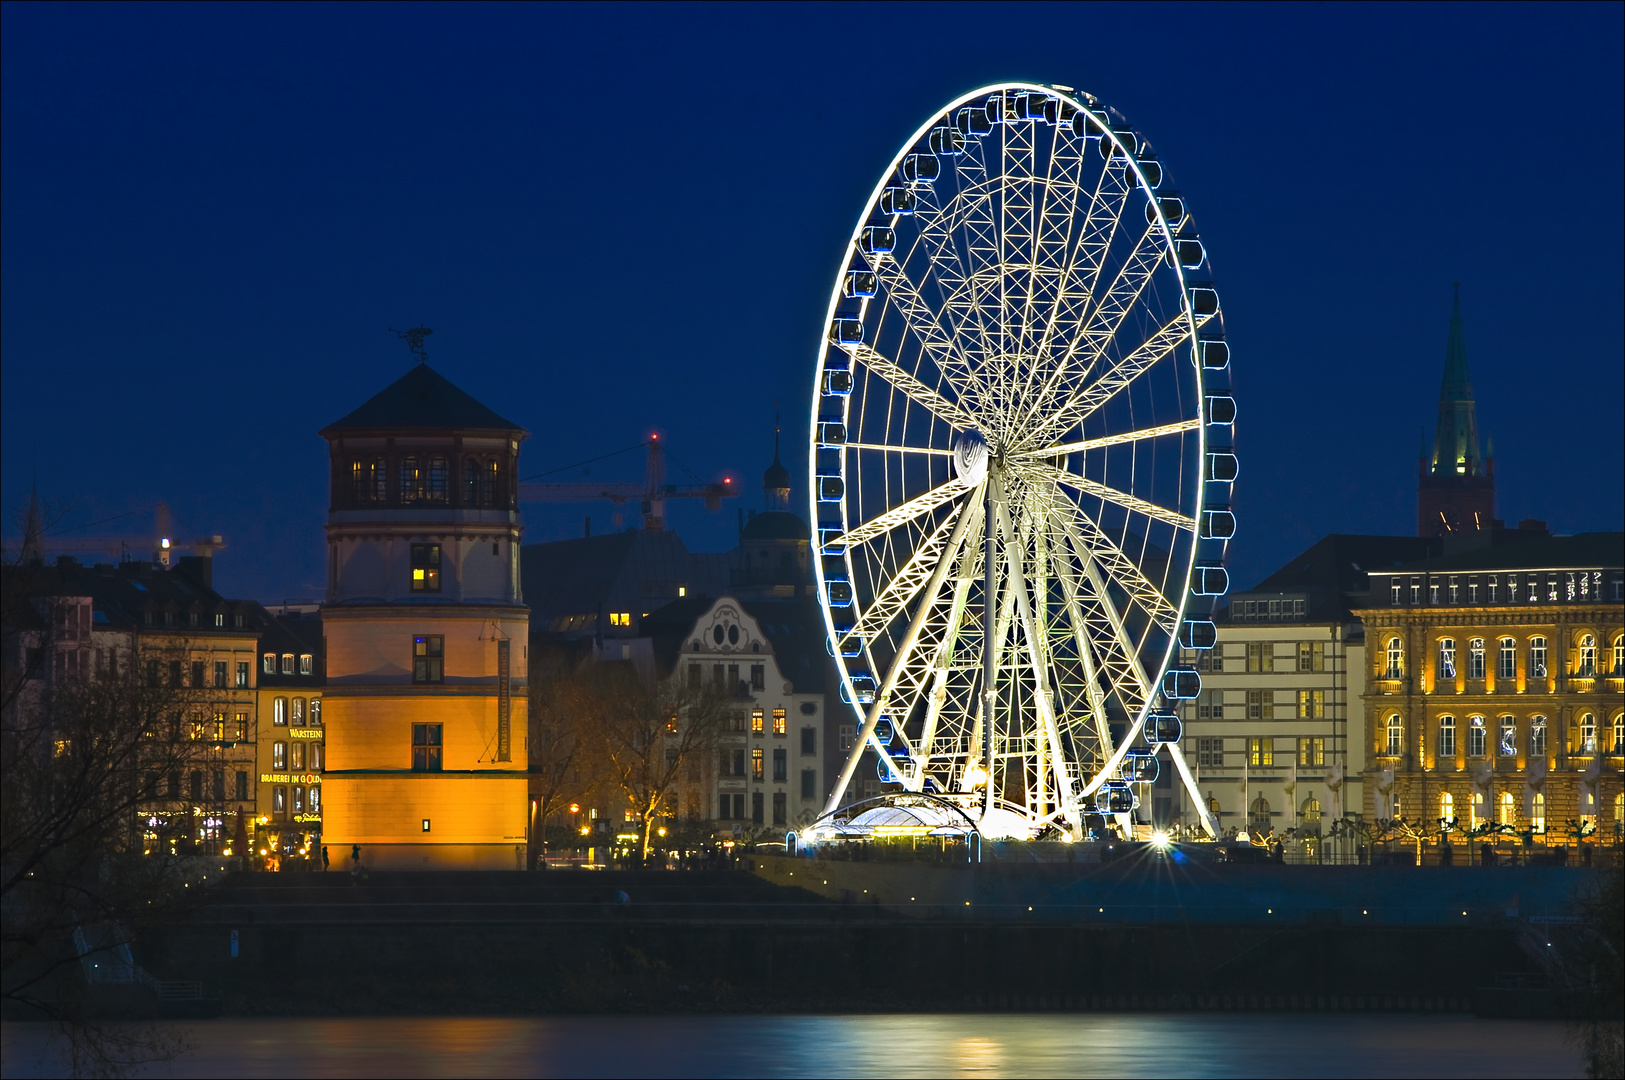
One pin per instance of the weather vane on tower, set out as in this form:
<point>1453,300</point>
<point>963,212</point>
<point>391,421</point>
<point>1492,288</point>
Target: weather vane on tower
<point>414,340</point>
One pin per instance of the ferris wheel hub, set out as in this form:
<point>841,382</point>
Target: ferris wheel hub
<point>970,457</point>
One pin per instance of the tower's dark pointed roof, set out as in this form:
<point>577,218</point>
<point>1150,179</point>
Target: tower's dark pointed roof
<point>1456,450</point>
<point>776,476</point>
<point>422,398</point>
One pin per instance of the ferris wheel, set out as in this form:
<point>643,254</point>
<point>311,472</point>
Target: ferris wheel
<point>1021,465</point>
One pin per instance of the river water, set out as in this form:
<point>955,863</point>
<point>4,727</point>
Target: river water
<point>975,1045</point>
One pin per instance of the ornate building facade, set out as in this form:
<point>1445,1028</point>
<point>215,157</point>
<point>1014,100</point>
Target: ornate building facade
<point>427,636</point>
<point>1496,686</point>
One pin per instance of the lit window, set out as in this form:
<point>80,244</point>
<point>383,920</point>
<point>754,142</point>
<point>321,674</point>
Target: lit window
<point>279,801</point>
<point>1588,733</point>
<point>269,664</point>
<point>287,663</point>
<point>1492,583</point>
<point>1416,590</point>
<point>491,490</point>
<point>1507,744</point>
<point>426,747</point>
<point>1478,737</point>
<point>1537,736</point>
<point>1447,658</point>
<point>1537,817</point>
<point>1537,658</point>
<point>242,673</point>
<point>279,712</point>
<point>757,720</point>
<point>1447,810</point>
<point>296,711</point>
<point>1587,659</point>
<point>411,479</point>
<point>1261,704</point>
<point>778,722</point>
<point>1506,659</point>
<point>428,658</point>
<point>1311,704</point>
<point>757,758</point>
<point>315,712</point>
<point>1260,656</point>
<point>1454,591</point>
<point>299,798</point>
<point>1393,585</point>
<point>1261,752</point>
<point>1447,736</point>
<point>1619,656</point>
<point>1396,659</point>
<point>425,567</point>
<point>296,757</point>
<point>1475,658</point>
<point>316,756</point>
<point>1258,816</point>
<point>1619,733</point>
<point>1311,751</point>
<point>279,756</point>
<point>307,664</point>
<point>1311,656</point>
<point>1506,811</point>
<point>1311,809</point>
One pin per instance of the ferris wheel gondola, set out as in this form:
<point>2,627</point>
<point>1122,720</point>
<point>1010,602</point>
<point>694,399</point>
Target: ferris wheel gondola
<point>1021,463</point>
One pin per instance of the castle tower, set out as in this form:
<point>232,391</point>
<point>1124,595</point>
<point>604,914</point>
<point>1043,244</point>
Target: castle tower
<point>1455,489</point>
<point>426,633</point>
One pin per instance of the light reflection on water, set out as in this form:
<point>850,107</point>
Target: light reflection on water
<point>972,1045</point>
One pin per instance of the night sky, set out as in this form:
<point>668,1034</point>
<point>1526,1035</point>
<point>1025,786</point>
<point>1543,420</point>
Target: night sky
<point>621,219</point>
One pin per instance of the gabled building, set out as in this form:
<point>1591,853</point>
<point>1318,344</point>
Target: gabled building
<point>427,636</point>
<point>291,753</point>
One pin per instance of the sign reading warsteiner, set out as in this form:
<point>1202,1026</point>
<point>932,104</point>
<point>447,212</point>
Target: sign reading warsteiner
<point>306,733</point>
<point>289,778</point>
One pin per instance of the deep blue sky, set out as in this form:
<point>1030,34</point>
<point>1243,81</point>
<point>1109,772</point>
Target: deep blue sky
<point>626,218</point>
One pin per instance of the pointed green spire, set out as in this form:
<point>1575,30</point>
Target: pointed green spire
<point>1455,443</point>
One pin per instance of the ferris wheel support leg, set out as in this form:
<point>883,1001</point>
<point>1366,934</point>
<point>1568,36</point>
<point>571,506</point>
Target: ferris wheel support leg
<point>1042,690</point>
<point>911,638</point>
<point>1210,826</point>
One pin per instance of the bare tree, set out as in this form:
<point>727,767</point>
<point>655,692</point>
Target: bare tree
<point>642,736</point>
<point>560,766</point>
<point>86,862</point>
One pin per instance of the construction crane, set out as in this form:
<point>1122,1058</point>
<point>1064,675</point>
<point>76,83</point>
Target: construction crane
<point>651,495</point>
<point>163,546</point>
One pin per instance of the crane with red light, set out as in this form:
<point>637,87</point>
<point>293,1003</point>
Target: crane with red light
<point>651,495</point>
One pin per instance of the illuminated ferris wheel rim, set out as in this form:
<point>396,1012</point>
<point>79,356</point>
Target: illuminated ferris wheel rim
<point>1004,442</point>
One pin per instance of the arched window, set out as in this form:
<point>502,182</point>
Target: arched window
<point>1447,736</point>
<point>1396,736</point>
<point>1311,809</point>
<point>1447,810</point>
<point>1537,736</point>
<point>1506,659</point>
<point>1507,744</point>
<point>1586,657</point>
<point>1619,813</point>
<point>1447,658</point>
<point>1537,657</point>
<point>1588,733</point>
<point>492,493</point>
<point>411,479</point>
<point>1477,737</point>
<point>1475,658</point>
<point>279,712</point>
<point>367,480</point>
<point>1258,815</point>
<point>296,712</point>
<point>1396,659</point>
<point>471,482</point>
<point>439,488</point>
<point>1619,734</point>
<point>1506,810</point>
<point>1619,656</point>
<point>1537,819</point>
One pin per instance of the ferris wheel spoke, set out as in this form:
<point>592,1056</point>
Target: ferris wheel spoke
<point>1177,428</point>
<point>1055,213</point>
<point>1087,257</point>
<point>1083,533</point>
<point>936,341</point>
<point>912,388</point>
<point>895,596</point>
<point>1044,470</point>
<point>884,523</point>
<point>1156,347</point>
<point>898,448</point>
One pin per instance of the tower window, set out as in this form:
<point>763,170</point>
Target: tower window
<point>411,479</point>
<point>428,658</point>
<point>426,747</point>
<point>425,567</point>
<point>439,479</point>
<point>367,481</point>
<point>471,482</point>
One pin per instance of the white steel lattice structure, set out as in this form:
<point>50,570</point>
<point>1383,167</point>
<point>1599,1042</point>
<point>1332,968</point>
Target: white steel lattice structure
<point>1021,463</point>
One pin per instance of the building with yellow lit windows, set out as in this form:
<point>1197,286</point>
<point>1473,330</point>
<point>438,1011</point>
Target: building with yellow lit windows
<point>426,635</point>
<point>291,748</point>
<point>1496,686</point>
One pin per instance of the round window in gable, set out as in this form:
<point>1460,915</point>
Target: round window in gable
<point>733,635</point>
<point>716,633</point>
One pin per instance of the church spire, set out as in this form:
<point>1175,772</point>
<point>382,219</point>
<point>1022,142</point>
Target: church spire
<point>1455,443</point>
<point>776,480</point>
